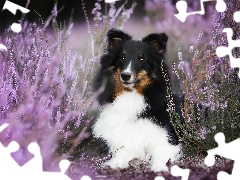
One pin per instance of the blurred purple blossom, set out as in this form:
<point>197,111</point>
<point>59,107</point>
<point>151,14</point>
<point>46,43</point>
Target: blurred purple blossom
<point>39,90</point>
<point>96,12</point>
<point>191,49</point>
<point>180,56</point>
<point>181,65</point>
<point>112,10</point>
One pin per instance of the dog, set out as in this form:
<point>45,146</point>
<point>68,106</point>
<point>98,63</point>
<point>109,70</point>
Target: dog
<point>134,121</point>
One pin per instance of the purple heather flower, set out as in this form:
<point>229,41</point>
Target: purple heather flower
<point>203,133</point>
<point>208,53</point>
<point>112,11</point>
<point>180,56</point>
<point>187,68</point>
<point>191,49</point>
<point>96,9</point>
<point>181,65</point>
<point>127,13</point>
<point>199,36</point>
<point>196,53</point>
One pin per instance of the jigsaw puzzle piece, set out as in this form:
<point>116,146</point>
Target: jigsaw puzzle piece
<point>159,178</point>
<point>2,47</point>
<point>31,170</point>
<point>235,171</point>
<point>37,162</point>
<point>222,51</point>
<point>236,16</point>
<point>177,171</point>
<point>85,178</point>
<point>3,126</point>
<point>13,8</point>
<point>7,164</point>
<point>221,6</point>
<point>181,6</point>
<point>16,27</point>
<point>182,11</point>
<point>22,155</point>
<point>225,176</point>
<point>227,150</point>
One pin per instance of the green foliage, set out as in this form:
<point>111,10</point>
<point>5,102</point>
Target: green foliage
<point>212,94</point>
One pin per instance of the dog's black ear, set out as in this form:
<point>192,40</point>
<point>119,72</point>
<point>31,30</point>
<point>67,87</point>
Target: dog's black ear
<point>115,38</point>
<point>157,40</point>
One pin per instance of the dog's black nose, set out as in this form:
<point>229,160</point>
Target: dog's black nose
<point>125,76</point>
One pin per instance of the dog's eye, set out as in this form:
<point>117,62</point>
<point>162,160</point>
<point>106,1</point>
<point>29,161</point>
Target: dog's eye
<point>142,59</point>
<point>122,58</point>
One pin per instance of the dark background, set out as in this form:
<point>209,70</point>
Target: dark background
<point>44,8</point>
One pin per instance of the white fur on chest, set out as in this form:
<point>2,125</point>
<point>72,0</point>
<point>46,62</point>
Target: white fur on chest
<point>119,125</point>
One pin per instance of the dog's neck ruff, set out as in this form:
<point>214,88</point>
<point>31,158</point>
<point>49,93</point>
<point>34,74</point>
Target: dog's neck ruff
<point>123,111</point>
<point>119,122</point>
<point>126,105</point>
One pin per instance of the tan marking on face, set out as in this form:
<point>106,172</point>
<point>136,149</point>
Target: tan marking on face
<point>140,56</point>
<point>144,81</point>
<point>119,88</point>
<point>111,68</point>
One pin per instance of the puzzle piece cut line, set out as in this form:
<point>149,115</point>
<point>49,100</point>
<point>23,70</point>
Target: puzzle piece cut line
<point>222,51</point>
<point>177,171</point>
<point>12,7</point>
<point>182,9</point>
<point>227,150</point>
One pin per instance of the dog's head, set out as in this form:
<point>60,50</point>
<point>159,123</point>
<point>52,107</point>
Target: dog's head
<point>135,60</point>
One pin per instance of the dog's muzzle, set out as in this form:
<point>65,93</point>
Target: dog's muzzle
<point>127,79</point>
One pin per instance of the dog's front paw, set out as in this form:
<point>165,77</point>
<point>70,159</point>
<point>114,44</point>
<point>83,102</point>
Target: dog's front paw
<point>158,167</point>
<point>120,160</point>
<point>116,163</point>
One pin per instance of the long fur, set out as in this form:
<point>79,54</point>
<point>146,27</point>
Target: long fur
<point>133,113</point>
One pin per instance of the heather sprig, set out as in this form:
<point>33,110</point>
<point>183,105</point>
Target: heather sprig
<point>112,18</point>
<point>160,17</point>
<point>211,91</point>
<point>45,87</point>
<point>42,89</point>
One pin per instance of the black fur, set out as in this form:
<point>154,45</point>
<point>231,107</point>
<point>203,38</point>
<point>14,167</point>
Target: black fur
<point>152,49</point>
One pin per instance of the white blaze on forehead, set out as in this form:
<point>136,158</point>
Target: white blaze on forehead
<point>129,67</point>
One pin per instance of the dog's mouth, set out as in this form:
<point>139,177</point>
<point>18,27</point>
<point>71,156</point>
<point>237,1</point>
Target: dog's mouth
<point>130,84</point>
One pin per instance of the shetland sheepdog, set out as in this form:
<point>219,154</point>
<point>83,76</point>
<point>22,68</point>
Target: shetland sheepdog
<point>133,120</point>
